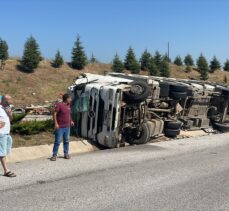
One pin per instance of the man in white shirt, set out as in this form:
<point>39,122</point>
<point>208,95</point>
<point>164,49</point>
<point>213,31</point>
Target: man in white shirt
<point>5,138</point>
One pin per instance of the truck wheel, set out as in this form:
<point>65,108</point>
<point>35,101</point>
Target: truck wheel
<point>178,88</point>
<point>171,132</point>
<point>173,124</point>
<point>189,92</point>
<point>225,92</point>
<point>138,93</point>
<point>164,89</point>
<point>222,127</point>
<point>142,138</point>
<point>178,95</point>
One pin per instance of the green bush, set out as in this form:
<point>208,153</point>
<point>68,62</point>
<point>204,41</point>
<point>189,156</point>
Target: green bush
<point>32,127</point>
<point>18,117</point>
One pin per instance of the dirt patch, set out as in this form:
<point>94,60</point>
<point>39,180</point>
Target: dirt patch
<point>192,134</point>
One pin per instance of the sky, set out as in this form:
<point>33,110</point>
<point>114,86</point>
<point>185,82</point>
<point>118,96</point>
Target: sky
<point>110,26</point>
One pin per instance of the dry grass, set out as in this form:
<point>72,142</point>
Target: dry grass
<point>32,140</point>
<point>218,76</point>
<point>179,72</point>
<point>44,84</point>
<point>36,140</point>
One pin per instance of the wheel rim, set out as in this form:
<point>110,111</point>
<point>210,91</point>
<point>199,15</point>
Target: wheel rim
<point>136,89</point>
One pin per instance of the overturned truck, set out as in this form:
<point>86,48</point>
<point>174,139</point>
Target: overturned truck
<point>118,108</point>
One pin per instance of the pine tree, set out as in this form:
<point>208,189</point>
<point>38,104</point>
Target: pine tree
<point>157,59</point>
<point>164,68</point>
<point>131,62</point>
<point>226,66</point>
<point>202,66</point>
<point>3,53</point>
<point>225,79</point>
<point>3,50</point>
<point>93,59</point>
<point>79,58</point>
<point>188,60</point>
<point>214,65</point>
<point>31,56</point>
<point>178,61</point>
<point>166,57</point>
<point>117,64</point>
<point>130,58</point>
<point>58,61</point>
<point>145,60</point>
<point>135,67</point>
<point>153,69</point>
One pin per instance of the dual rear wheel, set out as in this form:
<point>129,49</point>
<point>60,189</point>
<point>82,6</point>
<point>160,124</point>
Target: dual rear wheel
<point>172,128</point>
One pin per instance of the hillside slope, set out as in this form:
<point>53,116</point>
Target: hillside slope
<point>179,72</point>
<point>46,83</point>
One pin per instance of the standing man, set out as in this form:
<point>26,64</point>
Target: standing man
<point>63,122</point>
<point>5,138</point>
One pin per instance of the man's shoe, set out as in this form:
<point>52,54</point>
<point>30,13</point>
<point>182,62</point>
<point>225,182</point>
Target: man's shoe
<point>53,158</point>
<point>67,156</point>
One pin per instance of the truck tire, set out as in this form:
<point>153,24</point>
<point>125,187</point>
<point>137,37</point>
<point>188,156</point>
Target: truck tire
<point>173,124</point>
<point>164,89</point>
<point>171,132</point>
<point>138,93</point>
<point>178,88</point>
<point>144,136</point>
<point>189,92</point>
<point>225,92</point>
<point>178,95</point>
<point>222,127</point>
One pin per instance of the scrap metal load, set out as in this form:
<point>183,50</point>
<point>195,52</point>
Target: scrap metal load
<point>118,108</point>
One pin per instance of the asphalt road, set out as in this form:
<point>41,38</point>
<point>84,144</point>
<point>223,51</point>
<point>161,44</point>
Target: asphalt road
<point>188,174</point>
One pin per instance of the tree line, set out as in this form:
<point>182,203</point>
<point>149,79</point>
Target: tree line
<point>157,64</point>
<point>202,65</point>
<point>32,56</point>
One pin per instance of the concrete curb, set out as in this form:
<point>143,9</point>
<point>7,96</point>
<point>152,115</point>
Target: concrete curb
<point>76,147</point>
<point>30,153</point>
